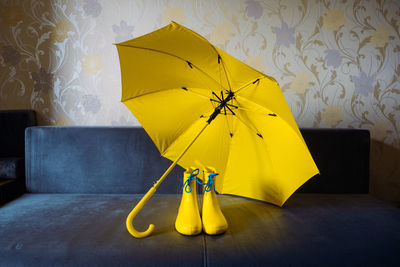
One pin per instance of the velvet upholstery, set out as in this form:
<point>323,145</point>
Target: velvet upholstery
<point>124,160</point>
<point>120,160</point>
<point>89,230</point>
<point>83,181</point>
<point>311,230</point>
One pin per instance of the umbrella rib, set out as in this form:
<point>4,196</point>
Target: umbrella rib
<point>178,57</point>
<point>250,83</point>
<point>219,70</point>
<point>259,112</point>
<point>229,127</point>
<point>252,125</point>
<point>217,96</point>
<point>197,93</point>
<point>256,104</point>
<point>297,131</point>
<point>226,74</point>
<point>216,51</point>
<point>167,89</point>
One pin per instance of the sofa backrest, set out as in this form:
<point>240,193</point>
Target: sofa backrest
<point>119,160</point>
<point>124,160</point>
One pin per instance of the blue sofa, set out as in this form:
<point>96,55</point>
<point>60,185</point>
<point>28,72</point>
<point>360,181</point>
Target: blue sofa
<point>81,183</point>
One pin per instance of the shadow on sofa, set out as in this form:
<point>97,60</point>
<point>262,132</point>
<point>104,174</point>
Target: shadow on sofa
<point>385,172</point>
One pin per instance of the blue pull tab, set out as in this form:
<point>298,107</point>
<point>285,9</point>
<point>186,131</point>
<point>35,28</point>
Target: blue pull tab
<point>210,183</point>
<point>193,176</point>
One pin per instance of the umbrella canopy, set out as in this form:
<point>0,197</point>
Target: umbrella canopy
<point>175,82</point>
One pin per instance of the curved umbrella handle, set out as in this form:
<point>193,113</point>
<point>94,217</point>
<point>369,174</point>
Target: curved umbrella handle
<point>135,211</point>
<point>151,192</point>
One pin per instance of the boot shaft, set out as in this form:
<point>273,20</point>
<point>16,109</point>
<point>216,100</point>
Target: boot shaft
<point>213,220</point>
<point>189,186</point>
<point>188,221</point>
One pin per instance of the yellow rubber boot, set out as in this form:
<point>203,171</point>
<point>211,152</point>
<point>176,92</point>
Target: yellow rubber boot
<point>214,222</point>
<point>188,221</point>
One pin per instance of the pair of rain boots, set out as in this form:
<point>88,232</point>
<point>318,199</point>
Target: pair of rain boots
<point>188,221</point>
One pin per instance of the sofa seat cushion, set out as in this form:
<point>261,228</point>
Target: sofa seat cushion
<point>89,230</point>
<point>310,230</point>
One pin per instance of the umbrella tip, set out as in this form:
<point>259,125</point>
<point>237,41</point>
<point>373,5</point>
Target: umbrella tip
<point>231,134</point>
<point>260,135</point>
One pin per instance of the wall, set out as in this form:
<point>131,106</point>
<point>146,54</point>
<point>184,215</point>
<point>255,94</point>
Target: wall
<point>338,62</point>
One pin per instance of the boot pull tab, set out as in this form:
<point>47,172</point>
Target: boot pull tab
<point>210,182</point>
<point>193,176</point>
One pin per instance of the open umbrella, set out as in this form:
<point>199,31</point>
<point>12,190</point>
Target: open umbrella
<point>187,93</point>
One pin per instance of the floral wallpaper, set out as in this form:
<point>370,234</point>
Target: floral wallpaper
<point>337,62</point>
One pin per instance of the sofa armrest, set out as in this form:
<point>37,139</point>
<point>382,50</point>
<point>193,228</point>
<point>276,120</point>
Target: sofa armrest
<point>12,178</point>
<point>12,151</point>
<point>342,157</point>
<point>12,168</point>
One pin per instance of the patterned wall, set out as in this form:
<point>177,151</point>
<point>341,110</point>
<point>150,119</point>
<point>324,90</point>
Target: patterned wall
<point>338,62</point>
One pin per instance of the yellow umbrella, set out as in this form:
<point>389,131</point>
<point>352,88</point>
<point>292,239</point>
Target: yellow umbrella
<point>187,93</point>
